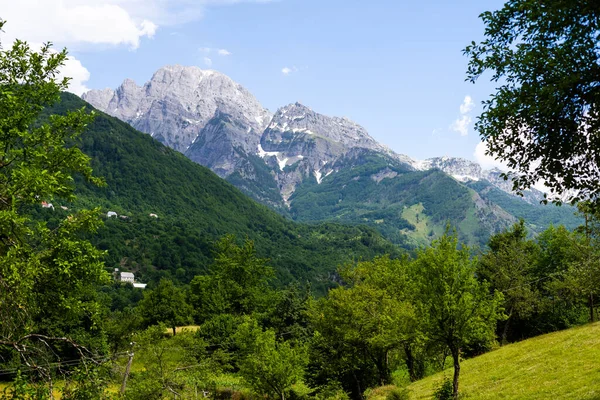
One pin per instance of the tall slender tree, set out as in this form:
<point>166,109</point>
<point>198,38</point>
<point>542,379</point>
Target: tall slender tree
<point>510,266</point>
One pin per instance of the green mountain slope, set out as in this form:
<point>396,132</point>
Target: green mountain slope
<point>374,190</point>
<point>380,192</point>
<point>560,365</point>
<point>194,208</point>
<point>537,217</point>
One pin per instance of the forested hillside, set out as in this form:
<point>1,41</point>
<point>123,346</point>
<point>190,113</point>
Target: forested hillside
<point>371,189</point>
<point>194,207</point>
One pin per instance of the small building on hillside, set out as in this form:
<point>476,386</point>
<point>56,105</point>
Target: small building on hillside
<point>127,277</point>
<point>111,214</point>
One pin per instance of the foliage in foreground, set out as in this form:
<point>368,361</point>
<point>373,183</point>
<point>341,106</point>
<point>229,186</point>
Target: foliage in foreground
<point>49,273</point>
<point>543,119</point>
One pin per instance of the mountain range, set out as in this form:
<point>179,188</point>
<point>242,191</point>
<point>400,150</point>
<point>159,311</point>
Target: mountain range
<point>163,213</point>
<point>313,167</point>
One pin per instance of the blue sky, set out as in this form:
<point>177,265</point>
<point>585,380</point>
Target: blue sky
<point>394,67</point>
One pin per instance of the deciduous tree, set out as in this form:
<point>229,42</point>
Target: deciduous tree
<point>48,274</point>
<point>165,304</point>
<point>544,118</point>
<point>457,310</point>
<point>270,366</point>
<point>237,282</point>
<point>362,329</point>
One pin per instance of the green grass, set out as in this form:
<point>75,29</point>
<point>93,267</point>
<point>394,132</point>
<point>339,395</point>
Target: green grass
<point>423,225</point>
<point>471,223</point>
<point>560,365</point>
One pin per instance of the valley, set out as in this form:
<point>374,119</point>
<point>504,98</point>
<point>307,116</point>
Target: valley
<point>171,236</point>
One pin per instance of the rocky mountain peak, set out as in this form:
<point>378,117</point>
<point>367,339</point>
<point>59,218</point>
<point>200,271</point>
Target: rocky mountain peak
<point>465,171</point>
<point>218,123</point>
<point>177,103</point>
<point>461,169</point>
<point>297,119</point>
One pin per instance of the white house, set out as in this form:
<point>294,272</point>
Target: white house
<point>127,277</point>
<point>111,214</point>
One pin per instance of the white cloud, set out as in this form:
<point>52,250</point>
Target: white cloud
<point>467,105</point>
<point>86,24</point>
<point>208,50</point>
<point>287,70</point>
<point>462,123</point>
<point>112,22</point>
<point>487,161</point>
<point>208,61</point>
<point>78,74</point>
<point>74,22</point>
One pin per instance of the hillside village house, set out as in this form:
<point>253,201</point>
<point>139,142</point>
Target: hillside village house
<point>127,277</point>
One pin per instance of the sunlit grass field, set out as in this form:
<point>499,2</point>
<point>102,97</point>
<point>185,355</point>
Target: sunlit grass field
<point>560,365</point>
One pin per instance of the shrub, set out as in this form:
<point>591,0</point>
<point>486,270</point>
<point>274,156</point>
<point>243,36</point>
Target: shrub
<point>397,394</point>
<point>444,391</point>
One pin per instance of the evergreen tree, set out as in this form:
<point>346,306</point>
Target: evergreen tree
<point>510,266</point>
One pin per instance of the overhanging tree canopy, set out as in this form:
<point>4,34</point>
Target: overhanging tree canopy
<point>544,119</point>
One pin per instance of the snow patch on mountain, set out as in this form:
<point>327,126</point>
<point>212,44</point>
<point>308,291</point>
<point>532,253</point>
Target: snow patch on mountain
<point>318,175</point>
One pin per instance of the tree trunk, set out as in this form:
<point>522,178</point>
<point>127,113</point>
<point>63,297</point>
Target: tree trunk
<point>591,301</point>
<point>410,363</point>
<point>174,330</point>
<point>415,366</point>
<point>359,392</point>
<point>455,357</point>
<point>383,369</point>
<point>506,325</point>
<point>127,370</point>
